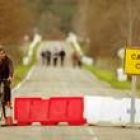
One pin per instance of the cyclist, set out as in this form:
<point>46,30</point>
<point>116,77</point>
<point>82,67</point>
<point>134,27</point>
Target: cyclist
<point>6,74</point>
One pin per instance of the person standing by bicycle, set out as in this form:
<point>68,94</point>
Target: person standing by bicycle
<point>6,75</point>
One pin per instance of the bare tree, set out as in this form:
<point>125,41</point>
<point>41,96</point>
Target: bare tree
<point>14,21</point>
<point>106,23</point>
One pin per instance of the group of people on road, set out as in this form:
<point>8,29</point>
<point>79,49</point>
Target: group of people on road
<point>53,55</point>
<point>57,54</point>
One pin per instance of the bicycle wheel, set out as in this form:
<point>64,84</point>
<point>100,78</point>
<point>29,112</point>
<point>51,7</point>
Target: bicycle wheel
<point>1,112</point>
<point>1,100</point>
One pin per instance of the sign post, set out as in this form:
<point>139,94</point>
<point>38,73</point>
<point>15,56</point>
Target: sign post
<point>133,91</point>
<point>132,66</point>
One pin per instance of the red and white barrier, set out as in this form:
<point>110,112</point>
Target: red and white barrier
<point>74,110</point>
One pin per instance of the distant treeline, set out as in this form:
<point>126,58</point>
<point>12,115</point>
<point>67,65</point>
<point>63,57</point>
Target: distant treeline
<point>107,25</point>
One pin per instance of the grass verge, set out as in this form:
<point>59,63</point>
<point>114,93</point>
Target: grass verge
<point>109,77</point>
<point>22,70</point>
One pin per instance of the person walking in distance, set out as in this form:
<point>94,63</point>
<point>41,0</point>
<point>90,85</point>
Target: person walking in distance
<point>75,58</point>
<point>62,55</point>
<point>43,57</point>
<point>48,57</point>
<point>55,54</point>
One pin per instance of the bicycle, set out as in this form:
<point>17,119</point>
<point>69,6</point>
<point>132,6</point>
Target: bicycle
<point>5,107</point>
<point>2,103</point>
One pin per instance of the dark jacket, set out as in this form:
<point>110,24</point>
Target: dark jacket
<point>6,68</point>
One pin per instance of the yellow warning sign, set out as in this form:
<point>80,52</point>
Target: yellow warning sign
<point>132,60</point>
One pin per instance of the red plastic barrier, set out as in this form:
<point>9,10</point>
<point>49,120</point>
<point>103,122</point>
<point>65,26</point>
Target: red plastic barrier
<point>75,110</point>
<point>35,110</point>
<point>49,111</point>
<point>67,109</point>
<point>44,112</point>
<point>57,109</point>
<point>22,111</point>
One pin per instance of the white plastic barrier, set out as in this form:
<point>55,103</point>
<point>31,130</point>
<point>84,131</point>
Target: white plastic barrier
<point>92,108</point>
<point>125,110</point>
<point>121,76</point>
<point>137,107</point>
<point>107,109</point>
<point>87,60</point>
<point>111,110</point>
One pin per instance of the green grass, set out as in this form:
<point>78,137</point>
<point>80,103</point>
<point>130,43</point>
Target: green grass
<point>109,77</point>
<point>22,70</point>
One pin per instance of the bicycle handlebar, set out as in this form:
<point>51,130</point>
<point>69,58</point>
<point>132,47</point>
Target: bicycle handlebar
<point>4,79</point>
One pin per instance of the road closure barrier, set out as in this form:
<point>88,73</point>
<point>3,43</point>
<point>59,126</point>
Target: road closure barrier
<point>25,110</point>
<point>49,111</point>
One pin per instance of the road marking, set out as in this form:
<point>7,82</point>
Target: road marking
<point>91,132</point>
<point>25,79</point>
<point>95,138</point>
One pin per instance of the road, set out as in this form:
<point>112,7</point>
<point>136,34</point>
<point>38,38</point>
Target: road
<point>45,82</point>
<point>50,81</point>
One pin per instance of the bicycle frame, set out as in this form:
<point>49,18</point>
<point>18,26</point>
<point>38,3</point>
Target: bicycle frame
<point>2,105</point>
